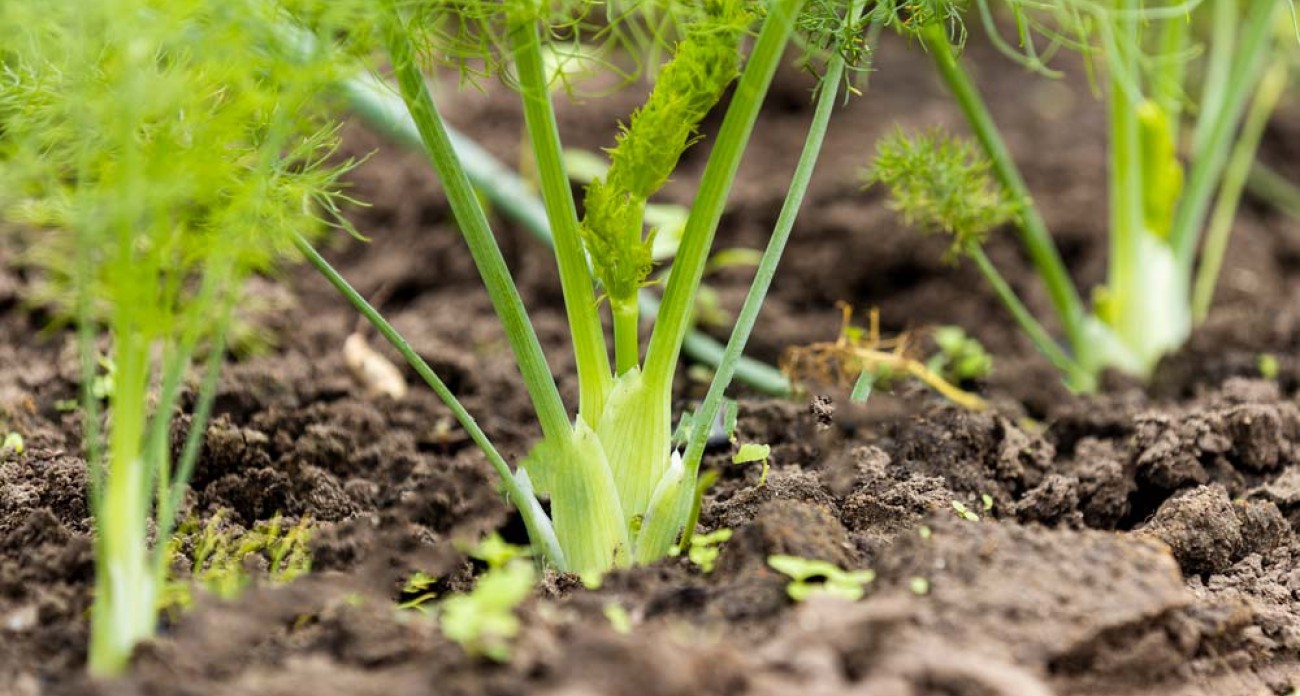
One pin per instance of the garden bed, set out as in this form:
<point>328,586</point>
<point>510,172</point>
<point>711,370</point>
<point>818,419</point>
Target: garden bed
<point>1137,542</point>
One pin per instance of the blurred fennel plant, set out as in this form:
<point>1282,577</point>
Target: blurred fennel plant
<point>167,150</point>
<point>1160,205</point>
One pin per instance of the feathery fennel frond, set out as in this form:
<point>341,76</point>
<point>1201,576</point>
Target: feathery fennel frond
<point>941,184</point>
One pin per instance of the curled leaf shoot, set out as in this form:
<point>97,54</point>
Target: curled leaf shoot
<point>646,152</point>
<point>856,352</point>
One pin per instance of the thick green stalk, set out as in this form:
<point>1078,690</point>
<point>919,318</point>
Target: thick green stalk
<point>368,97</point>
<point>590,354</point>
<point>125,591</point>
<point>539,528</point>
<point>1033,230</point>
<point>1234,182</point>
<point>675,314</point>
<point>767,266</point>
<point>1212,157</point>
<point>1127,217</point>
<point>474,226</point>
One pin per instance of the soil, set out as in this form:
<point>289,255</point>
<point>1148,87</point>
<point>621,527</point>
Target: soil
<point>1142,541</point>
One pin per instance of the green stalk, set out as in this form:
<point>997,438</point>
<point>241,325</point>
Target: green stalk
<point>1166,87</point>
<point>1076,375</point>
<point>1033,230</point>
<point>1267,185</point>
<point>1127,212</point>
<point>594,379</point>
<point>1234,182</point>
<point>692,255</point>
<point>124,601</point>
<point>1223,39</point>
<point>1207,170</point>
<point>539,528</point>
<point>474,226</point>
<point>767,266</point>
<point>371,99</point>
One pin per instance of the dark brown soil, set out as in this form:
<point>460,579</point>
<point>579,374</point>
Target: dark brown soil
<point>1130,543</point>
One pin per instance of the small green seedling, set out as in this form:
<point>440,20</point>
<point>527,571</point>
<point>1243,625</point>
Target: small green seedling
<point>419,589</point>
<point>497,553</point>
<point>618,618</point>
<point>987,500</point>
<point>483,622</point>
<point>919,586</point>
<point>13,442</point>
<point>964,512</point>
<point>812,577</point>
<point>1268,366</point>
<point>705,549</point>
<point>961,358</point>
<point>219,559</point>
<point>753,452</point>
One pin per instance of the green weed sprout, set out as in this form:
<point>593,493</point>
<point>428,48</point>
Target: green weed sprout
<point>618,492</point>
<point>1162,209</point>
<point>812,577</point>
<point>168,150</point>
<point>961,358</point>
<point>483,621</point>
<point>218,560</point>
<point>13,442</point>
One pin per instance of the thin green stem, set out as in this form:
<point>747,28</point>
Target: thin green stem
<point>1043,341</point>
<point>1234,182</point>
<point>590,353</point>
<point>1223,38</point>
<point>674,318</point>
<point>1126,193</point>
<point>1207,170</point>
<point>767,265</point>
<point>537,526</point>
<point>1267,185</point>
<point>474,226</point>
<point>1167,83</point>
<point>1033,230</point>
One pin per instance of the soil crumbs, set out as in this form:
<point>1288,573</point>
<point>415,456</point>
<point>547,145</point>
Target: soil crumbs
<point>1129,543</point>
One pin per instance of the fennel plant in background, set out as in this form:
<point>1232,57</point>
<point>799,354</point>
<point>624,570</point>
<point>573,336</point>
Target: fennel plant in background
<point>618,493</point>
<point>1160,208</point>
<point>168,151</point>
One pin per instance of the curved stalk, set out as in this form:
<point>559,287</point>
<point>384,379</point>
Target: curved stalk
<point>478,235</point>
<point>1234,182</point>
<point>1033,230</point>
<point>539,528</point>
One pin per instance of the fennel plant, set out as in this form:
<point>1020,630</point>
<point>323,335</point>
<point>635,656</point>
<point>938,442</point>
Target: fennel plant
<point>618,492</point>
<point>164,151</point>
<point>1175,152</point>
